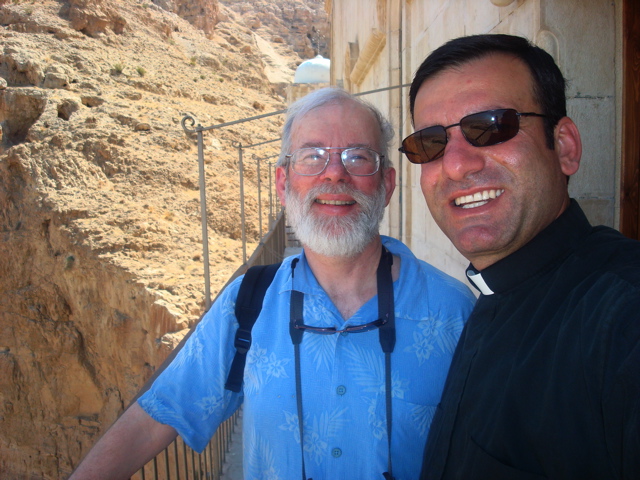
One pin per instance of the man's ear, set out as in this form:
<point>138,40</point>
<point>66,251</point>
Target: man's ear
<point>389,179</point>
<point>281,181</point>
<point>568,145</point>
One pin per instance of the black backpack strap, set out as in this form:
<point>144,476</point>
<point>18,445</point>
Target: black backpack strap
<point>254,285</point>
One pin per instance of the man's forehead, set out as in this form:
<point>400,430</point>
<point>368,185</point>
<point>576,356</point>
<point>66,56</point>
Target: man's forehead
<point>488,82</point>
<point>508,63</point>
<point>329,108</point>
<point>320,144</point>
<point>347,119</point>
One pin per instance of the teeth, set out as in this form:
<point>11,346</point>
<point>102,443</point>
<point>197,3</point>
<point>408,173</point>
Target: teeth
<point>335,202</point>
<point>478,198</point>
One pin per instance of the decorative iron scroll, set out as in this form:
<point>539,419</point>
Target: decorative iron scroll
<point>191,119</point>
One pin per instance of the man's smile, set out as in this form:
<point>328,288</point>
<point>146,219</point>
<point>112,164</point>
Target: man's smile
<point>335,202</point>
<point>477,199</point>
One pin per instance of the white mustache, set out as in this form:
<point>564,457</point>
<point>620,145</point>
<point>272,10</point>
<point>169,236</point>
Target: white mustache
<point>326,189</point>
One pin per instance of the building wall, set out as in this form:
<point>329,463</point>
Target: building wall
<point>581,36</point>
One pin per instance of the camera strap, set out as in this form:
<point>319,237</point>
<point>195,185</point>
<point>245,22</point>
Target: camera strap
<point>387,333</point>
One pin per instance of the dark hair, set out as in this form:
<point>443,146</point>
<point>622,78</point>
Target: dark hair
<point>548,82</point>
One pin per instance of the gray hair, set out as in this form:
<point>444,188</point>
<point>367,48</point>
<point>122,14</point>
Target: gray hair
<point>328,96</point>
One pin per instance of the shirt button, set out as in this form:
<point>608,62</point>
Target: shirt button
<point>336,452</point>
<point>341,390</point>
<point>344,334</point>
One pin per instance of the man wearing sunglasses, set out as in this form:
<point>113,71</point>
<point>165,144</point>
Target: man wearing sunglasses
<point>340,342</point>
<point>545,381</point>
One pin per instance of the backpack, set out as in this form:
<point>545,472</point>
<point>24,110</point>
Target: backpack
<point>254,285</point>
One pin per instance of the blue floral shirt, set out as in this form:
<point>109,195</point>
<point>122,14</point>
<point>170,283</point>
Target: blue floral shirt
<point>342,376</point>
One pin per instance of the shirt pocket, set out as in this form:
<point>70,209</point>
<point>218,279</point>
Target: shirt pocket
<point>486,467</point>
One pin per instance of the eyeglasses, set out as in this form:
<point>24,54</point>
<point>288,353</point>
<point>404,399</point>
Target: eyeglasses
<point>350,329</point>
<point>359,161</point>
<point>481,129</point>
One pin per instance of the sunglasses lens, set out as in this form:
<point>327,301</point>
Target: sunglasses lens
<point>425,145</point>
<point>490,128</point>
<point>481,129</point>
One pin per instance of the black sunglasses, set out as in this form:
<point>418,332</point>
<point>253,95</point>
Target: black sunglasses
<point>480,129</point>
<point>350,329</point>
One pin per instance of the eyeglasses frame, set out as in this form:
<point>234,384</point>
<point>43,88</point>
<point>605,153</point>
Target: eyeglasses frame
<point>342,159</point>
<point>365,327</point>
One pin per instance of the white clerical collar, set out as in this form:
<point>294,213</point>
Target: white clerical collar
<point>476,278</point>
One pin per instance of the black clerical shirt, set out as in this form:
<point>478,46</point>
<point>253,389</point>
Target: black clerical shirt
<point>545,381</point>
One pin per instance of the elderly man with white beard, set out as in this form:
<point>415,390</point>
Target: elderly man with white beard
<point>355,336</point>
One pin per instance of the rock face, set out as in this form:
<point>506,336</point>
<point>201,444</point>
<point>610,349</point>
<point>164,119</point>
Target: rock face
<point>100,250</point>
<point>93,17</point>
<point>302,25</point>
<point>202,14</point>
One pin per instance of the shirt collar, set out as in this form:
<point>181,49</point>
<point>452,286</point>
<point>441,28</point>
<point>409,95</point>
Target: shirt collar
<point>550,245</point>
<point>477,281</point>
<point>302,278</point>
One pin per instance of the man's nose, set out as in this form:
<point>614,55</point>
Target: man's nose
<point>460,158</point>
<point>335,170</point>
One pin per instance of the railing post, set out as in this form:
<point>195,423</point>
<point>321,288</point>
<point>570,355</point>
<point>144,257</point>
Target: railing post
<point>242,224</point>
<point>203,213</point>
<point>167,470</point>
<point>186,460</point>
<point>270,196</point>
<point>155,467</point>
<point>259,198</point>
<point>203,204</point>
<point>176,459</point>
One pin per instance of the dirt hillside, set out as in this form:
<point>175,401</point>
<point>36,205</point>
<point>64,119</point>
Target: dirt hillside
<point>101,252</point>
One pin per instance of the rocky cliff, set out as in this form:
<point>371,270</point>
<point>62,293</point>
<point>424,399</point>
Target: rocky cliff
<point>303,26</point>
<point>100,248</point>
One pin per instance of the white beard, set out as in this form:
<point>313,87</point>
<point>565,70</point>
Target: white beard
<point>345,236</point>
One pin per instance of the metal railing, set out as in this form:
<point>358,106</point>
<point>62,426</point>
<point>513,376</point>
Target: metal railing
<point>179,462</point>
<point>188,121</point>
<point>241,149</point>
